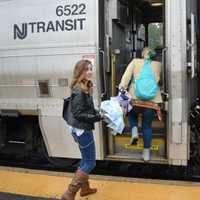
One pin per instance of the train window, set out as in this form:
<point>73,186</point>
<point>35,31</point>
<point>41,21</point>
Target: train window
<point>155,35</point>
<point>44,88</point>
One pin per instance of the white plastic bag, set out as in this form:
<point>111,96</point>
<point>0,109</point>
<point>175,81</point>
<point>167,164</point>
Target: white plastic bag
<point>114,115</point>
<point>124,99</point>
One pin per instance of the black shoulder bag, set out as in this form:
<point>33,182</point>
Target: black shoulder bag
<point>65,113</point>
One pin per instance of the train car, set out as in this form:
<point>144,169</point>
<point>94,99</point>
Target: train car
<point>40,42</point>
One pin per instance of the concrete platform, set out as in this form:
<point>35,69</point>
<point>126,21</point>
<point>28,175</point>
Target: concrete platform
<point>27,184</point>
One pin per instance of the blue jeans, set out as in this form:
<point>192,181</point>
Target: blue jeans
<point>87,149</point>
<point>147,118</point>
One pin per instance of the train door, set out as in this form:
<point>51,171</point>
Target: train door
<point>192,71</point>
<point>129,26</point>
<point>192,34</point>
<point>193,38</point>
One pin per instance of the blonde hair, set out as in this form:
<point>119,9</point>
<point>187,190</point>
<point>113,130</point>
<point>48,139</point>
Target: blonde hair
<point>78,80</point>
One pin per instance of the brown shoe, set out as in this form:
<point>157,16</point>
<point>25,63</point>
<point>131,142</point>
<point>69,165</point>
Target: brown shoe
<point>86,190</point>
<point>85,186</point>
<point>74,186</point>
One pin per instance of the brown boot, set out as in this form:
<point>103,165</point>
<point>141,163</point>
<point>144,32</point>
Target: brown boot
<point>85,187</point>
<point>73,187</point>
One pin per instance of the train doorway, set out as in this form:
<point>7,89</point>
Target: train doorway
<point>131,26</point>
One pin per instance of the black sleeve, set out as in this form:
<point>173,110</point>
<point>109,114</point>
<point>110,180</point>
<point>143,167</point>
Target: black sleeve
<point>79,111</point>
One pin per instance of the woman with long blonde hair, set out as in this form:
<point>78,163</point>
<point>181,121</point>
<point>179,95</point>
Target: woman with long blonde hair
<point>81,120</point>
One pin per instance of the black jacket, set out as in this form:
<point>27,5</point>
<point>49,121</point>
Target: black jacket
<point>81,111</point>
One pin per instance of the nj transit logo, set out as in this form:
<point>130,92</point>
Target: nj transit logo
<point>20,33</point>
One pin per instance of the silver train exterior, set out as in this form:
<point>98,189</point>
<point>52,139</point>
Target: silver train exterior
<point>40,42</point>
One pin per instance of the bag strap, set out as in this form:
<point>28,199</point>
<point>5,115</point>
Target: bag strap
<point>148,104</point>
<point>145,60</point>
<point>150,67</point>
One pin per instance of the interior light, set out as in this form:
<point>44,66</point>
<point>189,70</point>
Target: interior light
<point>156,4</point>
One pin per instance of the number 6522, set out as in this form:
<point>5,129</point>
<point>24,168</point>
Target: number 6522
<point>73,9</point>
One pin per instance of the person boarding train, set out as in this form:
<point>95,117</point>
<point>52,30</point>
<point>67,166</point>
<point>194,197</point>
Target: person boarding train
<point>143,74</point>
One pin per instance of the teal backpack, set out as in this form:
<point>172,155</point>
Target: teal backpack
<point>146,87</point>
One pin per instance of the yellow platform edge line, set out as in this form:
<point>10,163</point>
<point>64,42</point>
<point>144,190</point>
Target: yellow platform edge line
<point>48,186</point>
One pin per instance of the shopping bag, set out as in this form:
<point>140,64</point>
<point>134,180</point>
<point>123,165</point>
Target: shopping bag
<point>124,100</point>
<point>113,114</point>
